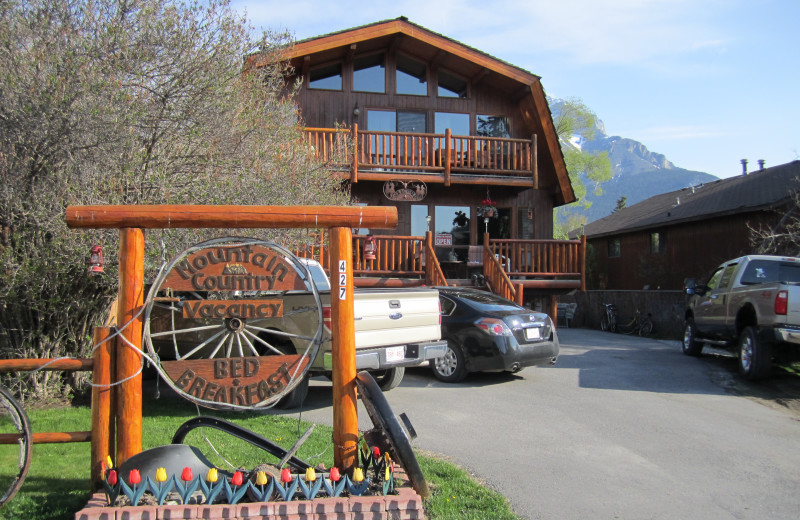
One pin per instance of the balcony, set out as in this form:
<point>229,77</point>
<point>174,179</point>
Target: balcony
<point>443,158</point>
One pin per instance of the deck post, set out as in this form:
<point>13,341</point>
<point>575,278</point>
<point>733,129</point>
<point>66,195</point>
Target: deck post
<point>448,149</point>
<point>102,402</point>
<point>345,413</point>
<point>582,260</point>
<point>128,356</point>
<point>354,170</point>
<point>535,162</point>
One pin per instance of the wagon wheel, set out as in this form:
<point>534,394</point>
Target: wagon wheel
<point>15,436</point>
<point>389,433</point>
<point>215,316</point>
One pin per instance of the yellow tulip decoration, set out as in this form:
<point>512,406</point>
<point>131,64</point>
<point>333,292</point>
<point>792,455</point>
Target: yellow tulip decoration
<point>358,484</point>
<point>311,485</point>
<point>161,475</point>
<point>261,478</point>
<point>311,475</point>
<point>161,490</point>
<point>209,486</point>
<point>263,494</point>
<point>358,475</point>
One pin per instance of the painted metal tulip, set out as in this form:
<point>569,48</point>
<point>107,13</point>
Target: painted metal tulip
<point>161,475</point>
<point>376,452</point>
<point>261,478</point>
<point>334,474</point>
<point>109,462</point>
<point>212,475</point>
<point>358,475</point>
<point>186,475</point>
<point>388,474</point>
<point>311,475</point>
<point>112,477</point>
<point>286,476</point>
<point>134,477</point>
<point>236,479</point>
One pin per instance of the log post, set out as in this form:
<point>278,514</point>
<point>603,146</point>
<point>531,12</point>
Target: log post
<point>535,162</point>
<point>345,413</point>
<point>129,358</point>
<point>448,150</point>
<point>102,403</point>
<point>582,260</point>
<point>354,171</point>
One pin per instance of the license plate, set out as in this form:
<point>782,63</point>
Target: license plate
<point>532,333</point>
<point>394,354</point>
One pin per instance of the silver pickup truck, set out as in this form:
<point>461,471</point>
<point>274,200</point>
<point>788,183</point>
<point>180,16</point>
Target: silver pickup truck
<point>750,304</point>
<point>394,328</point>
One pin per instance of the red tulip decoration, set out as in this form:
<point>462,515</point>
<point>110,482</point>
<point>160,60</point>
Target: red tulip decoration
<point>286,476</point>
<point>132,489</point>
<point>186,475</point>
<point>112,477</point>
<point>188,486</point>
<point>134,477</point>
<point>238,491</point>
<point>334,474</point>
<point>237,478</point>
<point>334,484</point>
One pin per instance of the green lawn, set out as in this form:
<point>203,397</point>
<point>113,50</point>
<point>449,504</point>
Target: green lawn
<point>58,482</point>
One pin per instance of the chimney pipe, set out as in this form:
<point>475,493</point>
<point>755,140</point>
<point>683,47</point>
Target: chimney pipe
<point>744,166</point>
<point>761,163</point>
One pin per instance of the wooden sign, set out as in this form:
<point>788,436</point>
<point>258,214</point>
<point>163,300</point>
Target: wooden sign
<point>235,267</point>
<point>238,381</point>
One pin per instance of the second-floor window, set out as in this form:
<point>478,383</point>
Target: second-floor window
<point>614,248</point>
<point>369,74</point>
<point>451,85</point>
<point>412,76</point>
<point>327,77</point>
<point>492,126</point>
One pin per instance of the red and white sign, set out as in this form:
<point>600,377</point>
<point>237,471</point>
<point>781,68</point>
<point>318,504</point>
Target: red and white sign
<point>443,239</point>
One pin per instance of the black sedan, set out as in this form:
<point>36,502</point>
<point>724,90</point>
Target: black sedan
<point>485,332</point>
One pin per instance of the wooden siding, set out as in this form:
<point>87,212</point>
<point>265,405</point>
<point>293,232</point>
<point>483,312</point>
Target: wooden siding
<point>692,250</point>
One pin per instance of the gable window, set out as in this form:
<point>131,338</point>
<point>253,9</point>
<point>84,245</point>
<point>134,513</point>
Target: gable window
<point>614,249</point>
<point>412,76</point>
<point>451,86</point>
<point>328,77</point>
<point>369,74</point>
<point>658,242</point>
<point>492,126</point>
<point>457,123</point>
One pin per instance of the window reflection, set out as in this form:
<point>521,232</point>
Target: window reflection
<point>369,74</point>
<point>451,86</point>
<point>411,76</point>
<point>492,126</point>
<point>451,224</point>
<point>419,224</point>
<point>328,77</point>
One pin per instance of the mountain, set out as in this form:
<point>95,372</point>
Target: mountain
<point>637,173</point>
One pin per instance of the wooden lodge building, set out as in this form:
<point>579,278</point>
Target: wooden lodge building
<point>463,144</point>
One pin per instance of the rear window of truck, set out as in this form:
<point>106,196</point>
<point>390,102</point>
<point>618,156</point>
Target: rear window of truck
<point>766,271</point>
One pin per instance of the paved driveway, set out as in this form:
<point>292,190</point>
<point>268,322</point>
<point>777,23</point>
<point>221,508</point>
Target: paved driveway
<point>620,427</point>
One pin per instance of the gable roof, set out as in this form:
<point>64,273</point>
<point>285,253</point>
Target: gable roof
<point>758,190</point>
<point>448,53</point>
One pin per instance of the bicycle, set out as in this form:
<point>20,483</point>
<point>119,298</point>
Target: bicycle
<point>608,321</point>
<point>640,323</point>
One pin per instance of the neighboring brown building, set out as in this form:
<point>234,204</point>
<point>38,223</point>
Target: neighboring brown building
<point>686,233</point>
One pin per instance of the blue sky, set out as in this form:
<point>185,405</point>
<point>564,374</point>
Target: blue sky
<point>704,82</point>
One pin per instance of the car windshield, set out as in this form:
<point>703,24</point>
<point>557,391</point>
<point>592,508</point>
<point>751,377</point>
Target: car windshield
<point>488,302</point>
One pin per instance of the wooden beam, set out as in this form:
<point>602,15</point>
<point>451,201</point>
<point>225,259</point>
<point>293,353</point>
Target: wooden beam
<point>345,412</point>
<point>102,403</point>
<point>128,352</point>
<point>478,78</point>
<point>202,216</point>
<point>24,365</point>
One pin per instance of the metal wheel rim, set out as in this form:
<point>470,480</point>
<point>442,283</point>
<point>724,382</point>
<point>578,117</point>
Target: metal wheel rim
<point>240,338</point>
<point>19,420</point>
<point>447,364</point>
<point>687,337</point>
<point>747,353</point>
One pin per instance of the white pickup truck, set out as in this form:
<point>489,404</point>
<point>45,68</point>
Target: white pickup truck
<point>751,304</point>
<point>394,328</point>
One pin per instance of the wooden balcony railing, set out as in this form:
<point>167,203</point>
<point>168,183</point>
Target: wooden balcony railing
<point>369,153</point>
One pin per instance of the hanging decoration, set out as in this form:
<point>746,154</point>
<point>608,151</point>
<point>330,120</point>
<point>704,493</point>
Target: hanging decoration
<point>413,191</point>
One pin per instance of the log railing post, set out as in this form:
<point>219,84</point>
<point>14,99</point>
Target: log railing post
<point>582,260</point>
<point>128,356</point>
<point>345,414</point>
<point>354,170</point>
<point>102,402</point>
<point>447,155</point>
<point>534,162</point>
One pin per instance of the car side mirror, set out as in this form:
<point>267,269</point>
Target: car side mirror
<point>689,286</point>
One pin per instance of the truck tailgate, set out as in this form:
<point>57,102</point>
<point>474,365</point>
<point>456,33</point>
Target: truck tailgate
<point>384,317</point>
<point>793,312</point>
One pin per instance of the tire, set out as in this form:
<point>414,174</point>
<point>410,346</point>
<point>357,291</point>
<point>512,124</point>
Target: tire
<point>691,346</point>
<point>389,378</point>
<point>755,356</point>
<point>452,367</point>
<point>295,398</point>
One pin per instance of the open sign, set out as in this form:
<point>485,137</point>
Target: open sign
<point>443,239</point>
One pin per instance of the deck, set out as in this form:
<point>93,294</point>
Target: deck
<point>443,158</point>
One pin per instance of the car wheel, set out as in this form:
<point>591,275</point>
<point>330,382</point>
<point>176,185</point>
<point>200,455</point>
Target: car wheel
<point>451,367</point>
<point>755,356</point>
<point>388,379</point>
<point>691,346</point>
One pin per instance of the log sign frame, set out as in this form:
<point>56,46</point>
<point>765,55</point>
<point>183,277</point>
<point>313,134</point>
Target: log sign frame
<point>213,305</point>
